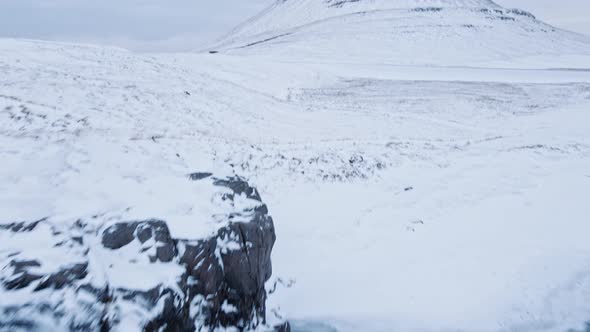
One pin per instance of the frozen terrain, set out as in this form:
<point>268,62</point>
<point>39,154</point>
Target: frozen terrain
<point>408,32</point>
<point>426,162</point>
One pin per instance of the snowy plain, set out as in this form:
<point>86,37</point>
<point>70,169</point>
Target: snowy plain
<point>411,191</point>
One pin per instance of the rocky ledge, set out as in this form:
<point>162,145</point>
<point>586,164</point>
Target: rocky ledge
<point>108,274</point>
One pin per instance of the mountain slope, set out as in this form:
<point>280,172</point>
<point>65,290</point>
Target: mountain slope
<point>434,32</point>
<point>407,198</point>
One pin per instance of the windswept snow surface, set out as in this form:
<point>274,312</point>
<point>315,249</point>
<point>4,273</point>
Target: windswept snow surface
<point>405,197</point>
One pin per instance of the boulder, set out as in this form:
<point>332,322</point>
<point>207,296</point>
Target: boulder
<point>103,275</point>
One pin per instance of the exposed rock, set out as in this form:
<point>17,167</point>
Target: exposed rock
<point>199,176</point>
<point>285,327</point>
<point>21,226</point>
<point>121,234</point>
<point>91,276</point>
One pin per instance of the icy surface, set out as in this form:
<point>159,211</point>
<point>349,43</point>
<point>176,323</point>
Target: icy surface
<point>415,185</point>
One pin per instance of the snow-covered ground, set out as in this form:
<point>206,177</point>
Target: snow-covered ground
<point>407,195</point>
<point>406,32</point>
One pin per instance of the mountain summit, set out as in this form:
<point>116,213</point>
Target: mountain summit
<point>434,32</point>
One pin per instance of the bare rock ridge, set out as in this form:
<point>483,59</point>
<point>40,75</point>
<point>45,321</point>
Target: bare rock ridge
<point>63,276</point>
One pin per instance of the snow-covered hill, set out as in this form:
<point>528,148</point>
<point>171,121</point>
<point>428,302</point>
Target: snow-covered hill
<point>431,32</point>
<point>411,198</point>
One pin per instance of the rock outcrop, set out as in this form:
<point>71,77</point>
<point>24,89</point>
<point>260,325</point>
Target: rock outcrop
<point>103,275</point>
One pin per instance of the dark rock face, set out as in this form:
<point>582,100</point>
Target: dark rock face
<point>81,282</point>
<point>121,234</point>
<point>199,176</point>
<point>232,293</point>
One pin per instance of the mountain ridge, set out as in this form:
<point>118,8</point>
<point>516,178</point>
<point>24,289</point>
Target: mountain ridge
<point>401,32</point>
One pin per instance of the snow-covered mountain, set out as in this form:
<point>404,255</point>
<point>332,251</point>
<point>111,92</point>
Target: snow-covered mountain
<point>432,32</point>
<point>404,197</point>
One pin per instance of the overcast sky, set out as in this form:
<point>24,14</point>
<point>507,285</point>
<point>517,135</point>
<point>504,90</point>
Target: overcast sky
<point>181,25</point>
